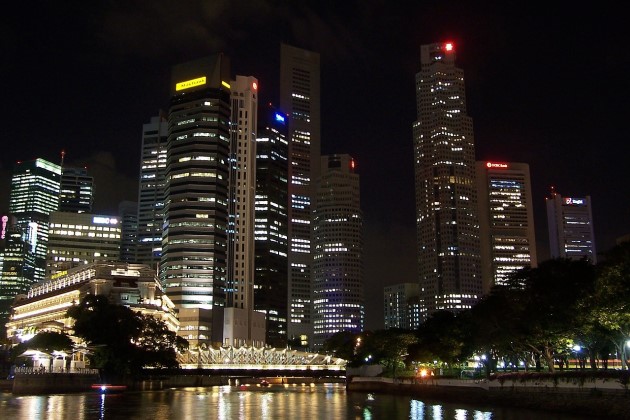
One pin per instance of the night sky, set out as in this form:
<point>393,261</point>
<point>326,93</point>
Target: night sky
<point>546,87</point>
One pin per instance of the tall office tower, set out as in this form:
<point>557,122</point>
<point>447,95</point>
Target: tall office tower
<point>271,244</point>
<point>300,99</point>
<point>449,262</point>
<point>570,223</point>
<point>151,191</point>
<point>17,265</point>
<point>76,239</point>
<point>76,191</point>
<point>506,220</point>
<point>242,326</point>
<point>338,303</point>
<point>34,195</point>
<point>193,263</point>
<point>399,299</point>
<point>128,217</point>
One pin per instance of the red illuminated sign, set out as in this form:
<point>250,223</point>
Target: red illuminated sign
<point>3,233</point>
<point>255,86</point>
<point>496,165</point>
<point>573,201</point>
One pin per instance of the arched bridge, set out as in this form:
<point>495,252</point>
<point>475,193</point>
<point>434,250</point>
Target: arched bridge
<point>252,359</point>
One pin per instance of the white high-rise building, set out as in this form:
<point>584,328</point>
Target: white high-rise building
<point>449,261</point>
<point>506,218</point>
<point>570,223</point>
<point>300,100</point>
<point>242,325</point>
<point>338,296</point>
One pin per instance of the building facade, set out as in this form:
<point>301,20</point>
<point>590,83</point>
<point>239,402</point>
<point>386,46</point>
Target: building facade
<point>17,265</point>
<point>338,300</point>
<point>151,191</point>
<point>44,306</point>
<point>76,192</point>
<point>242,325</point>
<point>194,242</point>
<point>34,195</point>
<point>400,302</point>
<point>449,261</point>
<point>76,239</point>
<point>271,230</point>
<point>300,100</point>
<point>571,231</point>
<point>506,220</point>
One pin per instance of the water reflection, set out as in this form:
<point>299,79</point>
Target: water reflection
<point>247,402</point>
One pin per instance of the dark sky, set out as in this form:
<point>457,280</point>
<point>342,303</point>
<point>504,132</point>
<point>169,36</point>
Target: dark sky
<point>545,85</point>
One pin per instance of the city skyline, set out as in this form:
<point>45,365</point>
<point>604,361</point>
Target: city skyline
<point>537,90</point>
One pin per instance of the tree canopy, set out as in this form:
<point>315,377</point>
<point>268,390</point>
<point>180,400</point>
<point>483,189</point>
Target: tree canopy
<point>121,340</point>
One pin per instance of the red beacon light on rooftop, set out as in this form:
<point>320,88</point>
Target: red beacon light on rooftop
<point>449,46</point>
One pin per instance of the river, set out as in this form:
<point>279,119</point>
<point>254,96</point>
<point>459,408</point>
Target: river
<point>323,401</point>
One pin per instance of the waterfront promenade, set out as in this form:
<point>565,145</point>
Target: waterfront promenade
<point>599,398</point>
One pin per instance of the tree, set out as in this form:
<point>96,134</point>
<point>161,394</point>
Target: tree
<point>45,341</point>
<point>157,344</point>
<point>444,337</point>
<point>123,341</point>
<point>342,344</point>
<point>612,295</point>
<point>547,299</point>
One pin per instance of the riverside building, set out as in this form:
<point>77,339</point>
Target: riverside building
<point>570,223</point>
<point>338,300</point>
<point>44,306</point>
<point>300,100</point>
<point>506,220</point>
<point>449,260</point>
<point>151,187</point>
<point>81,238</point>
<point>271,240</point>
<point>194,242</point>
<point>242,324</point>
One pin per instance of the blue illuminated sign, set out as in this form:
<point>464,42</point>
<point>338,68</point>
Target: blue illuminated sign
<point>279,118</point>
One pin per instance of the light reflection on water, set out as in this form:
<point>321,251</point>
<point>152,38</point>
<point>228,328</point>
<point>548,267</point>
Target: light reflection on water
<point>326,401</point>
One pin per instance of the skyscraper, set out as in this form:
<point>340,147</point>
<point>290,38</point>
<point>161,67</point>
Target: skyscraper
<point>242,326</point>
<point>300,99</point>
<point>271,242</point>
<point>193,263</point>
<point>17,266</point>
<point>34,195</point>
<point>151,191</point>
<point>446,200</point>
<point>506,220</point>
<point>570,223</point>
<point>338,303</point>
<point>76,191</point>
<point>128,217</point>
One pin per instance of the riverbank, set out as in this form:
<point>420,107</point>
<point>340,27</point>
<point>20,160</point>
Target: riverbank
<point>597,398</point>
<point>61,383</point>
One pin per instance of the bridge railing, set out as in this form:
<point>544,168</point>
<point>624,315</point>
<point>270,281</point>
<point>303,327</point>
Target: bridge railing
<point>265,356</point>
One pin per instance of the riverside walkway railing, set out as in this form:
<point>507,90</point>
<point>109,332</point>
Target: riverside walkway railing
<point>25,370</point>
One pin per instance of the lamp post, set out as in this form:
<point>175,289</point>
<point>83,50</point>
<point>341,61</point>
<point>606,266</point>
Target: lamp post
<point>576,349</point>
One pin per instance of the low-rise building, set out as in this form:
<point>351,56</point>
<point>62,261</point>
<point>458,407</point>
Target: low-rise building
<point>45,306</point>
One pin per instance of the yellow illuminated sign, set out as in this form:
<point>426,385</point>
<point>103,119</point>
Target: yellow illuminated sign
<point>226,84</point>
<point>58,274</point>
<point>190,83</point>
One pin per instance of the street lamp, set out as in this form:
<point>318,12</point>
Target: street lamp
<point>576,349</point>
